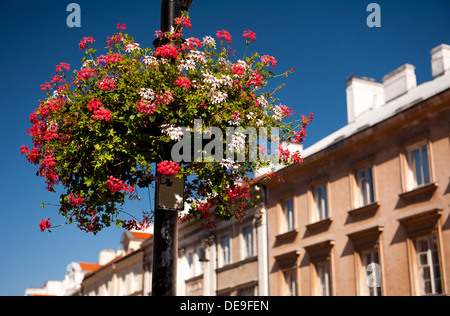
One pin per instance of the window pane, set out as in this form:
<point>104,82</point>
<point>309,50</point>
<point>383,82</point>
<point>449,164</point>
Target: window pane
<point>425,167</point>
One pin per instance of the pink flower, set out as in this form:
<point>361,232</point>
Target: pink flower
<point>102,114</point>
<point>225,35</point>
<point>269,60</point>
<point>167,51</point>
<point>185,21</point>
<point>107,84</point>
<point>115,185</point>
<point>111,58</point>
<point>85,74</point>
<point>60,67</point>
<point>249,35</point>
<point>45,224</point>
<point>94,104</point>
<point>121,27</point>
<point>183,82</point>
<point>84,43</point>
<point>255,79</point>
<point>168,168</point>
<point>75,201</point>
<point>146,107</point>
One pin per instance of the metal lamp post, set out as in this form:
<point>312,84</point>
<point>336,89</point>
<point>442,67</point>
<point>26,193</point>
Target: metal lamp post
<point>169,199</point>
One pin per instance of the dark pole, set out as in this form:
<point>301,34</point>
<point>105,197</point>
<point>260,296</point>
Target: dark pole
<point>165,237</point>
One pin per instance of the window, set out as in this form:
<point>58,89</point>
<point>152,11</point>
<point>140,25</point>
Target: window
<point>190,260</point>
<point>288,214</point>
<point>290,278</point>
<point>225,244</point>
<point>371,273</point>
<point>365,186</point>
<point>428,266</point>
<point>419,170</point>
<point>249,243</point>
<point>320,201</point>
<point>323,278</point>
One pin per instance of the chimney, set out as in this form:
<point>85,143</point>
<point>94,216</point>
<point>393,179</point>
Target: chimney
<point>399,82</point>
<point>440,60</point>
<point>363,94</point>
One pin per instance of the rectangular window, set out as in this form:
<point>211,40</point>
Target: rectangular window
<point>371,273</point>
<point>288,212</point>
<point>249,244</point>
<point>365,186</point>
<point>428,266</point>
<point>419,169</point>
<point>321,205</point>
<point>225,244</point>
<point>290,278</point>
<point>190,260</point>
<point>323,278</point>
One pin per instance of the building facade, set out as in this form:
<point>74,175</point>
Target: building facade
<point>368,211</point>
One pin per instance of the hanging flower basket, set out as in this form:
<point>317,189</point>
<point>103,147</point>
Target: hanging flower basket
<point>105,131</point>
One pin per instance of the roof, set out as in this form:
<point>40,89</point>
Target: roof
<point>141,235</point>
<point>372,117</point>
<point>89,266</point>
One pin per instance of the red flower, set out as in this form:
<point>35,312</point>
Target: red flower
<point>249,35</point>
<point>183,82</point>
<point>146,107</point>
<point>94,104</point>
<point>84,42</point>
<point>45,224</point>
<point>168,168</point>
<point>225,35</point>
<point>107,84</point>
<point>167,51</point>
<point>269,60</point>
<point>85,74</point>
<point>60,67</point>
<point>121,27</point>
<point>185,21</point>
<point>102,114</point>
<point>115,185</point>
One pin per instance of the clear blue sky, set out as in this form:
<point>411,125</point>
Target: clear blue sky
<point>325,40</point>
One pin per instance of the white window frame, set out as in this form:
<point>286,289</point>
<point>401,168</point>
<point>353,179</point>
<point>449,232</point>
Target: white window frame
<point>431,254</point>
<point>419,170</point>
<point>225,253</point>
<point>371,273</point>
<point>321,211</point>
<point>248,238</point>
<point>290,279</point>
<point>324,281</point>
<point>364,181</point>
<point>288,215</point>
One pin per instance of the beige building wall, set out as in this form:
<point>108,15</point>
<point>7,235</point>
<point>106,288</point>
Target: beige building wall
<point>404,227</point>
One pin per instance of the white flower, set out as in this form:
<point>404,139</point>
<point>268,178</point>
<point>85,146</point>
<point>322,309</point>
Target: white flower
<point>278,113</point>
<point>175,133</point>
<point>262,100</point>
<point>147,94</point>
<point>230,165</point>
<point>250,116</point>
<point>150,61</point>
<point>88,63</point>
<point>209,42</point>
<point>186,64</point>
<point>237,142</point>
<point>198,56</point>
<point>217,96</point>
<point>260,123</point>
<point>132,47</point>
